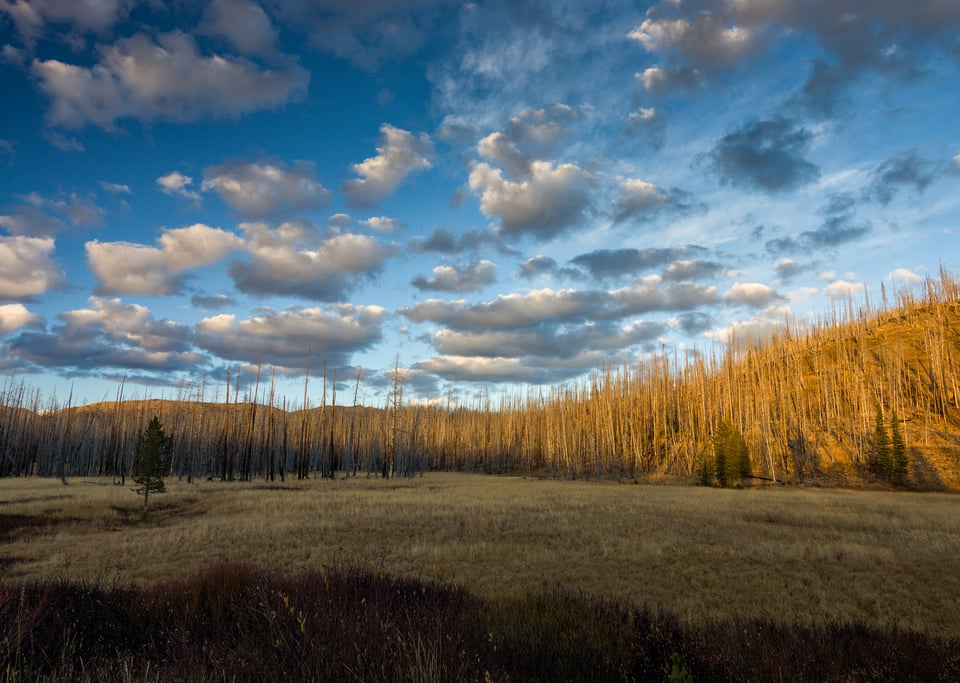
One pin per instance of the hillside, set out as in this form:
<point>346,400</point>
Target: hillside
<point>806,402</point>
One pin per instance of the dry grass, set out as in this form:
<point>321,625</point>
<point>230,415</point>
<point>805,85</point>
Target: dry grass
<point>791,554</point>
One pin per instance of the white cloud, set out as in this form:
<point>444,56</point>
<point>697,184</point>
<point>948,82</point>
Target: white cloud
<point>263,189</point>
<point>658,80</point>
<point>902,276</point>
<point>116,188</point>
<point>706,39</point>
<point>844,288</point>
<point>955,163</point>
<point>467,278</point>
<point>382,224</point>
<point>287,338</point>
<point>26,268</point>
<point>291,260</point>
<point>553,198</point>
<point>771,321</point>
<point>480,369</point>
<point>399,154</point>
<point>168,79</point>
<point>125,268</point>
<point>16,316</point>
<point>752,294</point>
<point>177,184</point>
<point>638,196</point>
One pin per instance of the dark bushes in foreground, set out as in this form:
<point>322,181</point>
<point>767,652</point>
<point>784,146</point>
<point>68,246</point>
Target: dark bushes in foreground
<point>235,622</point>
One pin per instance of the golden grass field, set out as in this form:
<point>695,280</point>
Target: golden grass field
<point>783,552</point>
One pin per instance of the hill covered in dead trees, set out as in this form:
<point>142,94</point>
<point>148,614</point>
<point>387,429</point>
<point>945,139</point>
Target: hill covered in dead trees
<point>866,394</point>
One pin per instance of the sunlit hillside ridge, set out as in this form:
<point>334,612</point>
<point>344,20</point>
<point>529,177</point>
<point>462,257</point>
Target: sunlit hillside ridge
<point>807,401</point>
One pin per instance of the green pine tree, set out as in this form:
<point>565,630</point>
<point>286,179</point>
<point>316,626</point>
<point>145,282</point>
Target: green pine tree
<point>151,461</point>
<point>882,454</point>
<point>898,452</point>
<point>731,455</point>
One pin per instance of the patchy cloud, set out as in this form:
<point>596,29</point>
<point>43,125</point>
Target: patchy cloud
<point>764,155</point>
<point>176,184</point>
<point>266,188</point>
<point>212,302</point>
<point>444,241</point>
<point>467,278</point>
<point>659,80</point>
<point>840,225</point>
<point>615,263</point>
<point>399,154</point>
<point>126,268</point>
<point>243,24</point>
<point>707,39</point>
<point>288,338</point>
<point>26,269</point>
<point>84,16</point>
<point>906,171</point>
<point>138,78</point>
<point>109,334</point>
<point>39,216</point>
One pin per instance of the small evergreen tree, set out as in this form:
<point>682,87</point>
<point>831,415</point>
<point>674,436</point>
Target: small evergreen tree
<point>882,455</point>
<point>731,455</point>
<point>151,461</point>
<point>898,452</point>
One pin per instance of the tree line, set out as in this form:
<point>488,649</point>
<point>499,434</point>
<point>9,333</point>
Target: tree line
<point>806,403</point>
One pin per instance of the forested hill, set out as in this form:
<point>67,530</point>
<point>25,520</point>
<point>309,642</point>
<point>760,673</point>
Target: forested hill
<point>834,402</point>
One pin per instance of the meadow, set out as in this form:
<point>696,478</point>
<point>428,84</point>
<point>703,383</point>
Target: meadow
<point>788,553</point>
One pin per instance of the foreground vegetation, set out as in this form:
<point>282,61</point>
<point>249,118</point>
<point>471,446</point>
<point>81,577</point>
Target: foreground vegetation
<point>808,404</point>
<point>234,622</point>
<point>781,553</point>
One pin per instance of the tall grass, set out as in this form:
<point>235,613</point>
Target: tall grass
<point>235,622</point>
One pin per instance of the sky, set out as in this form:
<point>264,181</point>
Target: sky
<point>494,197</point>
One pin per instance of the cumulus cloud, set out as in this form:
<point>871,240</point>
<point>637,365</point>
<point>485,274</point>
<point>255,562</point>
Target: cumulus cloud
<point>109,334</point>
<point>904,276</point>
<point>214,302</point>
<point>168,79</point>
<point>176,184</point>
<point>752,294</point>
<point>266,188</point>
<point>116,188</point>
<point>293,260</point>
<point>765,155</point>
<point>399,154</point>
<point>289,337</point>
<point>467,278</point>
<point>26,268</point>
<point>127,268</point>
<point>841,289</point>
<point>16,316</point>
<point>692,269</point>
<point>552,199</point>
<point>660,80</point>
<point>761,327</point>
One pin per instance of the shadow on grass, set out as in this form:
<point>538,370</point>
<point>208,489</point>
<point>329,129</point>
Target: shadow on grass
<point>237,622</point>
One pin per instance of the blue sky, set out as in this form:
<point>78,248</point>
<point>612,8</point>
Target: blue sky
<point>500,195</point>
